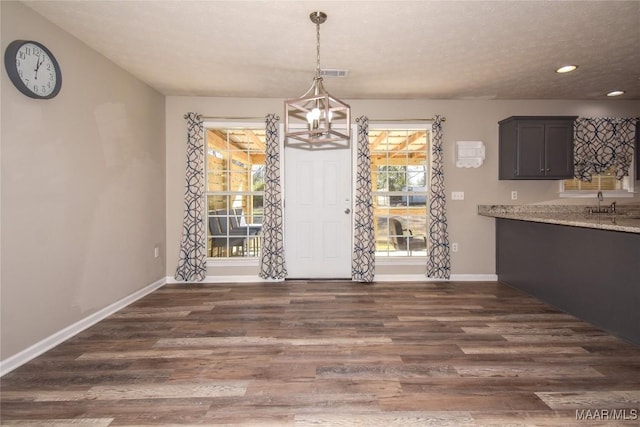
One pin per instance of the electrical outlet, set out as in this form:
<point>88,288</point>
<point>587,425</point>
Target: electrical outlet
<point>454,247</point>
<point>514,195</point>
<point>457,195</point>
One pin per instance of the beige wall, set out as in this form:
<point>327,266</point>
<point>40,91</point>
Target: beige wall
<point>466,120</point>
<point>83,195</point>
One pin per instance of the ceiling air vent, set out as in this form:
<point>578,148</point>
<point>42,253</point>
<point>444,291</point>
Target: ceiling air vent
<point>333,72</point>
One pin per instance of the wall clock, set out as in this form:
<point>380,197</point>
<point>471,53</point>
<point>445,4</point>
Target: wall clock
<point>33,69</point>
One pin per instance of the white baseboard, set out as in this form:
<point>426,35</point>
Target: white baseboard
<point>222,279</point>
<point>19,359</point>
<point>423,278</point>
<point>474,278</point>
<point>378,278</point>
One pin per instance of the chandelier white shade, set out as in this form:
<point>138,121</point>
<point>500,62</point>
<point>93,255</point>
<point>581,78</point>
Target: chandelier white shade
<point>317,119</point>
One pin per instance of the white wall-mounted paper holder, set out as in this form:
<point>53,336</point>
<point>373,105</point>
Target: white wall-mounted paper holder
<point>469,154</point>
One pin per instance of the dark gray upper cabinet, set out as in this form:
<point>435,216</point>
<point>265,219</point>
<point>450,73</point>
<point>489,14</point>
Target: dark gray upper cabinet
<point>536,147</point>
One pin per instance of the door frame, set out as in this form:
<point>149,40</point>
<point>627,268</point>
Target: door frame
<point>352,149</point>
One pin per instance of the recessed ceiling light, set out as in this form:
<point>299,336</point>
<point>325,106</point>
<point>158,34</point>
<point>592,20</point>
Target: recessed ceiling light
<point>566,68</point>
<point>615,93</point>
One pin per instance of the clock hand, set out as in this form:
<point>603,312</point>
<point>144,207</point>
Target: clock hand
<point>39,63</point>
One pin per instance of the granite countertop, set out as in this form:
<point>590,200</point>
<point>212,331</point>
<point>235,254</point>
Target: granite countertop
<point>627,219</point>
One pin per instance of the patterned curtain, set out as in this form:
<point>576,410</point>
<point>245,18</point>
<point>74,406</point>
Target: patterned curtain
<point>438,257</point>
<point>364,248</point>
<point>192,265</point>
<point>272,264</point>
<point>603,142</point>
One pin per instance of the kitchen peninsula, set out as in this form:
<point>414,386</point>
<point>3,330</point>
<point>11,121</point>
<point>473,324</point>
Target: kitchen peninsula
<point>585,264</point>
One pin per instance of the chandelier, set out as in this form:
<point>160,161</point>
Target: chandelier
<point>317,119</point>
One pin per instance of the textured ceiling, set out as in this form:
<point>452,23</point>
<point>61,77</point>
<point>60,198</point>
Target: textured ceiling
<point>392,49</point>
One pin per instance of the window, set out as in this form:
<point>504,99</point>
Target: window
<point>601,145</point>
<point>400,181</point>
<point>605,182</point>
<point>234,193</point>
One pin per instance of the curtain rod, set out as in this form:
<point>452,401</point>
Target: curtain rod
<point>444,119</point>
<point>227,118</point>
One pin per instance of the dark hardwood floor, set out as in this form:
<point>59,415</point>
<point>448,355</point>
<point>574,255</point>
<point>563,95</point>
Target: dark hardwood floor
<point>332,354</point>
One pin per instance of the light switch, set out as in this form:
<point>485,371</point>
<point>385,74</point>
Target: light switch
<point>457,195</point>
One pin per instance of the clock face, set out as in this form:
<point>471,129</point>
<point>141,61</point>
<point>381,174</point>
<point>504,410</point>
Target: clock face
<point>33,69</point>
<point>36,69</point>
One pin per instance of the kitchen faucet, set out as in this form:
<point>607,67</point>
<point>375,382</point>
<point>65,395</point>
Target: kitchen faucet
<point>611,209</point>
<point>599,209</point>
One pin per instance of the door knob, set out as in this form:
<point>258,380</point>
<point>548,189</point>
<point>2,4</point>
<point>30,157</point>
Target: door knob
<point>347,211</point>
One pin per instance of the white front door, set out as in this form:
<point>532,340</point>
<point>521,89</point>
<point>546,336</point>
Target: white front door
<point>317,222</point>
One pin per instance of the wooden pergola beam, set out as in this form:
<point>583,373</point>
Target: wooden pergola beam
<point>376,142</point>
<point>408,141</point>
<point>251,136</point>
<point>398,161</point>
<point>215,140</point>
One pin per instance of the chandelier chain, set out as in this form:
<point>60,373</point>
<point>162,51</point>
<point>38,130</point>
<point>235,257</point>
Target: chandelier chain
<point>317,49</point>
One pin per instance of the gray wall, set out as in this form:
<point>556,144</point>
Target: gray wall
<point>466,120</point>
<point>82,196</point>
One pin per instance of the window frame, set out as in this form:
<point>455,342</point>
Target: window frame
<point>226,125</point>
<point>388,259</point>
